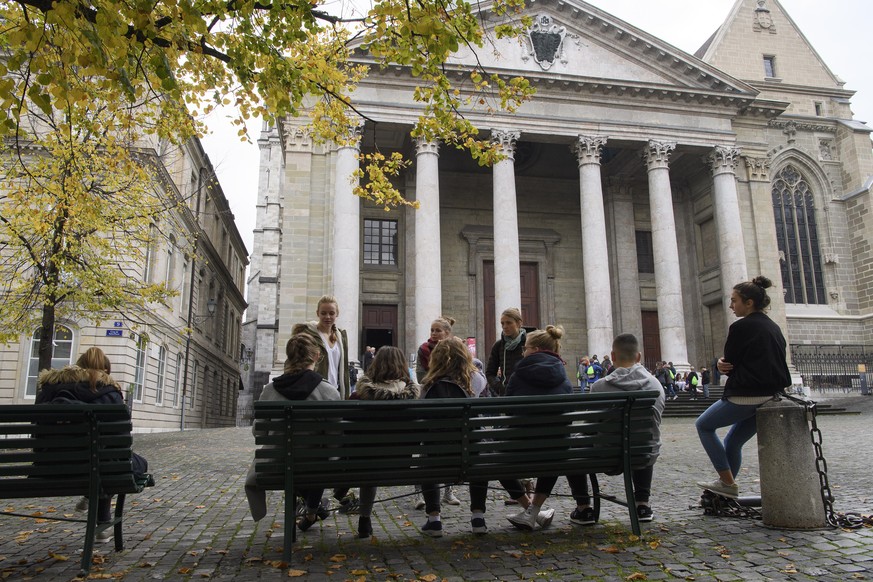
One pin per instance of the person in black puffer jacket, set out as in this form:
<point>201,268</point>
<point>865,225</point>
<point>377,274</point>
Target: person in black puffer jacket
<point>87,382</point>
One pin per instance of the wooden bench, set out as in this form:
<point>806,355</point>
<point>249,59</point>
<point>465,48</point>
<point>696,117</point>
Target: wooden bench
<point>50,450</point>
<point>308,444</point>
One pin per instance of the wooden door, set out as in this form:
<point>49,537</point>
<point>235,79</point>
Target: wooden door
<point>651,347</point>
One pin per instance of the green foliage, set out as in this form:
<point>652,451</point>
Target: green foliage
<point>265,58</point>
<point>79,199</point>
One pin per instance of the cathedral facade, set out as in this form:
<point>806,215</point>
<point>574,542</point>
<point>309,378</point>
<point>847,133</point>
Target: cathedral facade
<point>639,185</point>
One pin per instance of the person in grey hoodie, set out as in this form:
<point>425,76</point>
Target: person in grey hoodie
<point>629,375</point>
<point>299,382</point>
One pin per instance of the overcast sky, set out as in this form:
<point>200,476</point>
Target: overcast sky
<point>840,30</point>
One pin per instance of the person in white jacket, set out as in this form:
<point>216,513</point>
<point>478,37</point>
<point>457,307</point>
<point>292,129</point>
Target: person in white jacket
<point>299,381</point>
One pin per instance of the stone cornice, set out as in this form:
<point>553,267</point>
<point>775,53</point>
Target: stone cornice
<point>794,125</point>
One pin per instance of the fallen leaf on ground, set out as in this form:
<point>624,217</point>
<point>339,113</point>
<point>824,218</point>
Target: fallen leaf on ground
<point>296,573</point>
<point>338,558</point>
<point>637,576</point>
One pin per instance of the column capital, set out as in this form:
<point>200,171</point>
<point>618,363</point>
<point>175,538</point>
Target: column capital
<point>723,160</point>
<point>758,168</point>
<point>588,148</point>
<point>426,146</point>
<point>350,136</point>
<point>657,153</point>
<point>297,138</point>
<point>506,140</point>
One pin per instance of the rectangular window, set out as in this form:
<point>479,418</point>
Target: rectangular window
<point>159,381</point>
<point>139,371</point>
<point>819,110</point>
<point>380,242</point>
<point>769,67</point>
<point>179,376</point>
<point>645,252</point>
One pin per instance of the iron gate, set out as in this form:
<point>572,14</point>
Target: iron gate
<point>832,368</point>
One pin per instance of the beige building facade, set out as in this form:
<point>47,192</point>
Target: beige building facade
<point>179,363</point>
<point>641,183</point>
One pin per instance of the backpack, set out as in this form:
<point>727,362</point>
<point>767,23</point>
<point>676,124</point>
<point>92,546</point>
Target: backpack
<point>694,380</point>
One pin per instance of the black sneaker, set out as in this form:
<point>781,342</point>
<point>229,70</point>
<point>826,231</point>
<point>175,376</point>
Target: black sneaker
<point>583,516</point>
<point>433,529</point>
<point>304,522</point>
<point>644,513</point>
<point>478,525</point>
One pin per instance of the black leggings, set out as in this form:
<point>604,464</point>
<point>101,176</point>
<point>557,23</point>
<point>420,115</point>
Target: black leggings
<point>642,480</point>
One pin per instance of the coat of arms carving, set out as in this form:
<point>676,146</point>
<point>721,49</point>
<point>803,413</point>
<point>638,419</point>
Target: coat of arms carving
<point>546,41</point>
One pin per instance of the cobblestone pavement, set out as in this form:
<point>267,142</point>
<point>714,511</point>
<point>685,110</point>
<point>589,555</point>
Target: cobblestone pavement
<point>194,524</point>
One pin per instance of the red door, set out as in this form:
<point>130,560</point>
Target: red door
<point>651,339</point>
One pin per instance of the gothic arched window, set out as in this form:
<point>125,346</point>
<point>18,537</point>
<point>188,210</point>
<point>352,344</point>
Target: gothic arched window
<point>797,236</point>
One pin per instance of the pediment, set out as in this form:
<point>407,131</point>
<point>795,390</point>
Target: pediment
<point>572,42</point>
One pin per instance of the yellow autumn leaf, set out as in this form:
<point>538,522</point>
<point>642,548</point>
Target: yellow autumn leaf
<point>637,576</point>
<point>338,558</point>
<point>296,573</point>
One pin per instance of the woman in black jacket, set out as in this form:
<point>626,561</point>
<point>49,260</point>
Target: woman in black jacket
<point>754,361</point>
<point>87,382</point>
<point>506,352</point>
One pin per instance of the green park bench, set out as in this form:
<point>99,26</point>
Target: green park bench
<point>75,450</point>
<point>314,444</point>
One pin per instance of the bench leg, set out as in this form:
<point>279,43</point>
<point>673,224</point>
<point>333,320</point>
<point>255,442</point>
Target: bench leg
<point>631,503</point>
<point>119,511</point>
<point>90,530</point>
<point>290,525</point>
<point>595,495</point>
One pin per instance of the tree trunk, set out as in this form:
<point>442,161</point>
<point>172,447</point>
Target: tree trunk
<point>46,337</point>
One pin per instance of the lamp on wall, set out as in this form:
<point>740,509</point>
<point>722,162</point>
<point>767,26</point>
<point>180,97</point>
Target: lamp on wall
<point>210,312</point>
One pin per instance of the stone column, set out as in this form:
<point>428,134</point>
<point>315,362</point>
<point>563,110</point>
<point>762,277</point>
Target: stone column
<point>347,240</point>
<point>728,225</point>
<point>598,295</point>
<point>626,270</point>
<point>428,265</point>
<point>668,281</point>
<point>507,272</point>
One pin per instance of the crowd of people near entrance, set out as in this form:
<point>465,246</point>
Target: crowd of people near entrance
<point>524,362</point>
<point>521,363</point>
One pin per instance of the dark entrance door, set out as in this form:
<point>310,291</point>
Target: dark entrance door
<point>379,323</point>
<point>651,339</point>
<point>530,303</point>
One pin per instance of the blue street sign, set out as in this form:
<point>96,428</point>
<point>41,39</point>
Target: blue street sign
<point>117,324</point>
<point>114,332</point>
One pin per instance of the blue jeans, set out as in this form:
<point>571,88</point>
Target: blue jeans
<point>729,454</point>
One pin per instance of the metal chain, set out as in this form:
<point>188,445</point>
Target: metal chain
<point>849,520</point>
<point>717,505</point>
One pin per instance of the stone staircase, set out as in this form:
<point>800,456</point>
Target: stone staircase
<point>685,407</point>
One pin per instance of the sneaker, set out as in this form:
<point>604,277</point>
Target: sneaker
<point>525,520</point>
<point>304,523</point>
<point>478,525</point>
<point>449,496</point>
<point>101,537</point>
<point>420,504</point>
<point>644,513</point>
<point>545,517</point>
<point>583,516</point>
<point>721,488</point>
<point>365,527</point>
<point>82,506</point>
<point>433,529</point>
<point>348,504</point>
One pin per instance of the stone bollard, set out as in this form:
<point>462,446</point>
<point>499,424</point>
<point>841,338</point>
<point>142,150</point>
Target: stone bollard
<point>790,487</point>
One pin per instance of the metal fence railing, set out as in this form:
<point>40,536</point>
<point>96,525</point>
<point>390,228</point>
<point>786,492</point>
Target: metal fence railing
<point>833,368</point>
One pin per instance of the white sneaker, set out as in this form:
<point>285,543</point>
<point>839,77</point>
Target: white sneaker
<point>544,517</point>
<point>449,496</point>
<point>721,488</point>
<point>82,506</point>
<point>104,536</point>
<point>525,520</point>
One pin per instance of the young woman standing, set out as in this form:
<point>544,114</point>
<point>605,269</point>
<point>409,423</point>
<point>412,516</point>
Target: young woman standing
<point>333,342</point>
